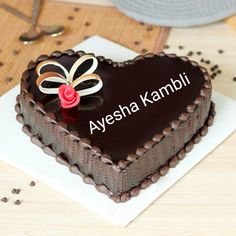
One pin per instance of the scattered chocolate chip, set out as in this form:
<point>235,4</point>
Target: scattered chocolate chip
<point>87,24</point>
<point>4,199</point>
<point>202,60</point>
<point>144,50</point>
<point>234,79</point>
<point>70,18</point>
<point>15,52</point>
<point>76,9</point>
<point>166,46</point>
<point>149,28</point>
<point>199,53</point>
<point>86,37</point>
<point>32,184</point>
<point>218,71</point>
<point>58,42</point>
<point>190,53</point>
<point>17,202</point>
<point>136,43</point>
<point>1,63</point>
<point>215,67</point>
<point>15,191</point>
<point>220,51</point>
<point>207,62</point>
<point>9,79</point>
<point>181,47</point>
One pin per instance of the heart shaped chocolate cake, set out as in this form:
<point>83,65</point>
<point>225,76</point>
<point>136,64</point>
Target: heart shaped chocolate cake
<point>120,126</point>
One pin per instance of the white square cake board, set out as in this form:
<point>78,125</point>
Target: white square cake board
<point>30,159</point>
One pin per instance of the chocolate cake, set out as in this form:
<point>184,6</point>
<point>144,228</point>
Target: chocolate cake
<point>130,123</point>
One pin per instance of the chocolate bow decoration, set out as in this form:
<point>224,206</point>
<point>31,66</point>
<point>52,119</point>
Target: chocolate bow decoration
<point>67,92</point>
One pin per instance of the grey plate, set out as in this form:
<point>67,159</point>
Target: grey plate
<point>177,13</point>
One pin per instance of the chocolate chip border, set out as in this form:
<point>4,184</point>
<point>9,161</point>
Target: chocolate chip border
<point>153,178</point>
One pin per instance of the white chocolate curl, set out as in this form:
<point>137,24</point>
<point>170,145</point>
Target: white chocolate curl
<point>69,75</point>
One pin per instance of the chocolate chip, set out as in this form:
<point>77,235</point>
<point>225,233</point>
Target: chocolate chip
<point>199,53</point>
<point>181,154</point>
<point>173,162</point>
<point>88,180</point>
<point>15,52</point>
<point>86,37</point>
<point>76,9</point>
<point>146,183</point>
<point>234,79</point>
<point>149,28</point>
<point>181,47</point>
<point>166,46</point>
<point>4,199</point>
<point>87,24</point>
<point>144,50</point>
<point>136,43</point>
<point>197,138</point>
<point>1,63</point>
<point>188,147</point>
<point>124,197</point>
<point>17,202</point>
<point>155,177</point>
<point>215,67</point>
<point>70,18</point>
<point>15,191</point>
<point>18,191</point>
<point>202,60</point>
<point>208,62</point>
<point>9,79</point>
<point>134,192</point>
<point>204,131</point>
<point>32,184</point>
<point>190,53</point>
<point>158,137</point>
<point>220,51</point>
<point>116,198</point>
<point>163,171</point>
<point>218,71</point>
<point>58,42</point>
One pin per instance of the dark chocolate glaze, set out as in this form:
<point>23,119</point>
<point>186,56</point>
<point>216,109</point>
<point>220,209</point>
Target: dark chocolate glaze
<point>121,86</point>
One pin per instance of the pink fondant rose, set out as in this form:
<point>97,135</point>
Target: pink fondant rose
<point>68,96</point>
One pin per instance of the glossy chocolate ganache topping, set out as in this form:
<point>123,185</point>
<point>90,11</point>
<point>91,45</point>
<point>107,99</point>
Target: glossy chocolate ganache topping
<point>136,100</point>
